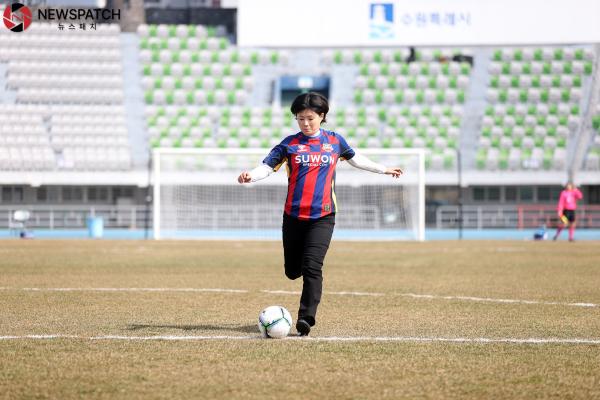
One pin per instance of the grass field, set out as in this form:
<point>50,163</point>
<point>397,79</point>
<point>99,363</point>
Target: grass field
<point>437,320</point>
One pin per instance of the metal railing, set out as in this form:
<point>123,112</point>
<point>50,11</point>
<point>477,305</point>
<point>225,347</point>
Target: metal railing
<point>75,217</point>
<point>446,217</point>
<point>532,216</point>
<point>513,217</point>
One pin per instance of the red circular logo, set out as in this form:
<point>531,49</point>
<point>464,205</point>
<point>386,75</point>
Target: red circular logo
<point>17,17</point>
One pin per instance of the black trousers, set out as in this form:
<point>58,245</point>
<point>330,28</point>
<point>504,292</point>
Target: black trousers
<point>570,214</point>
<point>305,243</point>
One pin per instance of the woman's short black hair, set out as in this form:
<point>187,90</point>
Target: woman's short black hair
<point>311,101</point>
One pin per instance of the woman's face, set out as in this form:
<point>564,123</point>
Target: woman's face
<point>569,186</point>
<point>309,121</point>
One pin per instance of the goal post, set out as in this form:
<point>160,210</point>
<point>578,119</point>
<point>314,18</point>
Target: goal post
<point>197,196</point>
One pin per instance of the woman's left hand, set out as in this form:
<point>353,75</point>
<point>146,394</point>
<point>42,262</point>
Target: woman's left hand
<point>395,172</point>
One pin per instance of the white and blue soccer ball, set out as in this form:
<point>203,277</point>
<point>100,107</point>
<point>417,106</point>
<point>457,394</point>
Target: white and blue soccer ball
<point>274,322</point>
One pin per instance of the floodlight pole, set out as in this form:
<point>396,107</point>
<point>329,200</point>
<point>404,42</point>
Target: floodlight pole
<point>148,199</point>
<point>156,153</point>
<point>460,199</point>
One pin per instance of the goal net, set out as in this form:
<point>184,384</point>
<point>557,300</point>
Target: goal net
<point>196,196</point>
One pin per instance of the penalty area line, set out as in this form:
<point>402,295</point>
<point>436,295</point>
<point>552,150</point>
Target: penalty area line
<point>409,339</point>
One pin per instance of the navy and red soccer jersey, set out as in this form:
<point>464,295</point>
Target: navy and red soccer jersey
<point>311,163</point>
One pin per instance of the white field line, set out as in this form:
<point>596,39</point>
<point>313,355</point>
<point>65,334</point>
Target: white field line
<point>439,297</point>
<point>574,341</point>
<point>492,300</point>
<point>289,292</point>
<point>281,292</point>
<point>333,293</point>
<point>199,290</point>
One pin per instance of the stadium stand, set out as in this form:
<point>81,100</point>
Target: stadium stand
<point>197,90</point>
<point>534,107</point>
<point>64,103</point>
<point>401,102</point>
<point>197,94</point>
<point>65,100</point>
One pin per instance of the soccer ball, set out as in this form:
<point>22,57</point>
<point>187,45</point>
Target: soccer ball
<point>274,322</point>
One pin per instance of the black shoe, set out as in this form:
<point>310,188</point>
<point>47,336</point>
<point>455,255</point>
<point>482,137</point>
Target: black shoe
<point>302,327</point>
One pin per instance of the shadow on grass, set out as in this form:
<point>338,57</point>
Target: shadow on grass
<point>225,327</point>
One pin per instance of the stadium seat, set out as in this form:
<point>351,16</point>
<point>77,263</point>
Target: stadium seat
<point>592,161</point>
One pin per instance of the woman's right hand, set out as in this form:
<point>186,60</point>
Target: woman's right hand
<point>244,177</point>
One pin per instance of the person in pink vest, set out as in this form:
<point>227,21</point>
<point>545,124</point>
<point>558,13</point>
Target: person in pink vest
<point>567,204</point>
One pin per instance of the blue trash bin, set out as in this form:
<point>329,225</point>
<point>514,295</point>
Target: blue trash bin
<point>95,227</point>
